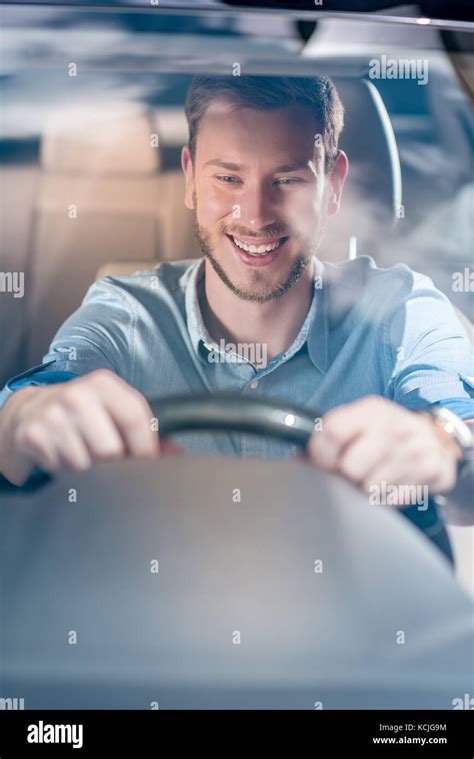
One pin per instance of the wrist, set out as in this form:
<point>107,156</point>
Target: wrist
<point>448,442</point>
<point>17,397</point>
<point>455,435</point>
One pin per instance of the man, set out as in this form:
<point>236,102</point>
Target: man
<point>367,348</point>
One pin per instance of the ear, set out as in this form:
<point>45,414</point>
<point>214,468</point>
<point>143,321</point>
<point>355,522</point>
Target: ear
<point>336,178</point>
<point>188,169</point>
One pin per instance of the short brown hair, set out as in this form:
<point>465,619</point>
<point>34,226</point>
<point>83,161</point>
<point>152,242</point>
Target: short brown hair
<point>267,92</point>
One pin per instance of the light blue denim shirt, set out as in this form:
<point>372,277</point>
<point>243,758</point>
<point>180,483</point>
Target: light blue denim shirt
<point>387,332</point>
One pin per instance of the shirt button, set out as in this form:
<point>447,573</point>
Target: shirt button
<point>254,385</point>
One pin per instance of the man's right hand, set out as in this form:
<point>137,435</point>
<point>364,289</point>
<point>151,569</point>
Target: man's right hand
<point>71,425</point>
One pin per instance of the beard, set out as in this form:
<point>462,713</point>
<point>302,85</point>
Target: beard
<point>262,294</point>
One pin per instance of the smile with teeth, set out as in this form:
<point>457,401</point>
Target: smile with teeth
<point>257,250</point>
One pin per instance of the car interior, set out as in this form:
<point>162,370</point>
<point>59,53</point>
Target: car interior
<point>129,198</point>
<point>97,188</point>
<point>92,186</point>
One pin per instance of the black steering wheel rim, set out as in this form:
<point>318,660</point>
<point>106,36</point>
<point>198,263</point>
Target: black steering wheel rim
<point>232,412</point>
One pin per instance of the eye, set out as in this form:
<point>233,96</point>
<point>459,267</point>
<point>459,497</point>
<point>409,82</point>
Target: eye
<point>287,181</point>
<point>228,178</point>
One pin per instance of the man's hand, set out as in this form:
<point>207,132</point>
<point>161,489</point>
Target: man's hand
<point>97,417</point>
<point>373,441</point>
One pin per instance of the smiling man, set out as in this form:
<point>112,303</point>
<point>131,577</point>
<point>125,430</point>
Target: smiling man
<point>367,348</point>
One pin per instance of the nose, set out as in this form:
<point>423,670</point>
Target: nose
<point>257,209</point>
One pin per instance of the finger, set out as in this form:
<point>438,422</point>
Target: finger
<point>431,470</point>
<point>339,428</point>
<point>364,454</point>
<point>96,427</point>
<point>129,412</point>
<point>35,448</point>
<point>73,452</point>
<point>25,450</point>
<point>134,418</point>
<point>64,439</point>
<point>404,476</point>
<point>169,447</point>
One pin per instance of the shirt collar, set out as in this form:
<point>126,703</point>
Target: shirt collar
<point>197,330</point>
<point>313,331</point>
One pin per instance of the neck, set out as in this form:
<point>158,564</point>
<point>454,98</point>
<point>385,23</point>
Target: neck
<point>275,323</point>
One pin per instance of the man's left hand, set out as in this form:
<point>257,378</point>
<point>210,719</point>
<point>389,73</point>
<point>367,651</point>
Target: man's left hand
<point>374,441</point>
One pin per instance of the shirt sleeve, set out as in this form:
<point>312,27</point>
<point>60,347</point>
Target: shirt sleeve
<point>99,335</point>
<point>431,357</point>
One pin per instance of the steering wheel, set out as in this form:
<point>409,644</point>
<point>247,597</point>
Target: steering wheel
<point>232,412</point>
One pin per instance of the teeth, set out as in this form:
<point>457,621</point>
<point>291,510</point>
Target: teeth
<point>256,250</point>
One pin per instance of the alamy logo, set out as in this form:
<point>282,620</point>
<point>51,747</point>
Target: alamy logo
<point>467,702</point>
<point>12,703</point>
<point>238,353</point>
<point>386,494</point>
<point>463,281</point>
<point>12,282</point>
<point>399,68</point>
<point>42,733</point>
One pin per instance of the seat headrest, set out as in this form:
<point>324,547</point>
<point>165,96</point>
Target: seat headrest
<point>369,140</point>
<point>110,140</point>
<point>372,198</point>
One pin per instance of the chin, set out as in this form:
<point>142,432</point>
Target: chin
<point>259,284</point>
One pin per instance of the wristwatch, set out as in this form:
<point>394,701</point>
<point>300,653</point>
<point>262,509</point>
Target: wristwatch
<point>457,430</point>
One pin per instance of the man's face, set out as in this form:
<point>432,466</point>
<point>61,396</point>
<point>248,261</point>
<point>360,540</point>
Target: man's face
<point>260,195</point>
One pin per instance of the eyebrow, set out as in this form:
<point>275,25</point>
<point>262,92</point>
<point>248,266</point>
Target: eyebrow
<point>289,167</point>
<point>285,169</point>
<point>224,164</point>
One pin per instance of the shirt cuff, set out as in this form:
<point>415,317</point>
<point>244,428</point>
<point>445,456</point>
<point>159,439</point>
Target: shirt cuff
<point>35,376</point>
